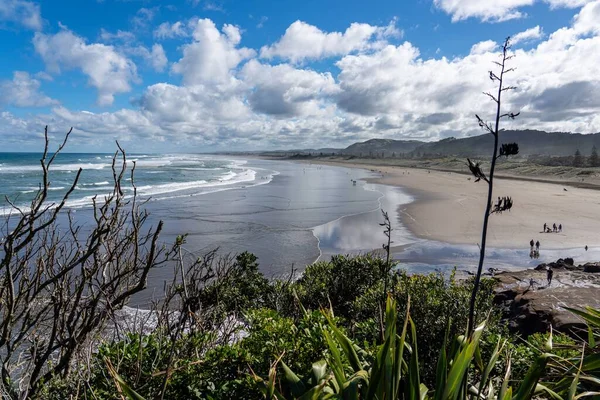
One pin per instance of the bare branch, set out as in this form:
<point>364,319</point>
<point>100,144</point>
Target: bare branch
<point>491,96</point>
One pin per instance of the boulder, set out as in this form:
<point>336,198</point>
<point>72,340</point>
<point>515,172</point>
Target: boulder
<point>591,267</point>
<point>561,263</point>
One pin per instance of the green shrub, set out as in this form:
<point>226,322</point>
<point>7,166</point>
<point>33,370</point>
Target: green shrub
<point>337,283</point>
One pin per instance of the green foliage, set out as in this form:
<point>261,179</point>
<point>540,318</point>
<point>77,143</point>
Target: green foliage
<point>437,304</point>
<point>240,288</point>
<point>594,160</point>
<point>577,159</point>
<point>271,335</point>
<point>337,283</point>
<point>345,374</point>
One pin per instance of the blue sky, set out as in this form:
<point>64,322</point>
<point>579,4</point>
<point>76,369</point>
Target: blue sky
<point>213,75</point>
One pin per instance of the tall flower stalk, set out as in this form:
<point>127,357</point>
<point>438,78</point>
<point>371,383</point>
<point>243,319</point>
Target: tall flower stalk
<point>503,204</point>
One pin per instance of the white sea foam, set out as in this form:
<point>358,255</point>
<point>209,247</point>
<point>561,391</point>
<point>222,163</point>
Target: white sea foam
<point>229,174</point>
<point>12,169</point>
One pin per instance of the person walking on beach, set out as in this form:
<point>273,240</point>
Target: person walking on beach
<point>560,227</point>
<point>554,228</point>
<point>545,227</point>
<point>586,247</point>
<point>531,244</point>
<point>549,273</point>
<point>537,245</point>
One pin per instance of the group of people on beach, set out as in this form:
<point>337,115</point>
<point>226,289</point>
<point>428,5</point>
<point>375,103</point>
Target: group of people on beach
<point>553,229</point>
<point>534,249</point>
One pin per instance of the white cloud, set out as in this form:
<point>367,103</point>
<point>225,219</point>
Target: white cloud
<point>107,70</point>
<point>484,47</point>
<point>528,35</point>
<point>26,13</point>
<point>158,58</point>
<point>23,91</point>
<point>154,57</point>
<point>232,100</point>
<point>567,3</point>
<point>304,41</point>
<point>167,30</point>
<point>143,17</point>
<point>123,36</point>
<point>498,10</point>
<point>285,91</point>
<point>212,55</point>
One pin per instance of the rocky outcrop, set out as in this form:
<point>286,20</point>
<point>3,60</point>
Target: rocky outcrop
<point>591,267</point>
<point>531,306</point>
<point>561,263</point>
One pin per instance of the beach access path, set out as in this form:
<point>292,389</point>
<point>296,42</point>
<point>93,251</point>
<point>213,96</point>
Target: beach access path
<point>449,207</point>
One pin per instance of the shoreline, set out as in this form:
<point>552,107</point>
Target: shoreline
<point>448,207</point>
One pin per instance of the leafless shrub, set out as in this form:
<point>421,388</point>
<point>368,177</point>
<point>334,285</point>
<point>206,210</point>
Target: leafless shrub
<point>59,287</point>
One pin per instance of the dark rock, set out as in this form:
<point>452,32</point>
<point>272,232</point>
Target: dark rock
<point>566,263</point>
<point>541,267</point>
<point>591,267</point>
<point>569,261</point>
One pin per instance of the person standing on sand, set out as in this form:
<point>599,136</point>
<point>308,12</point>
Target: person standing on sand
<point>545,227</point>
<point>537,245</point>
<point>549,273</point>
<point>560,227</point>
<point>531,244</point>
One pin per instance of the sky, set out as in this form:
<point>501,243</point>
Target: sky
<point>214,75</point>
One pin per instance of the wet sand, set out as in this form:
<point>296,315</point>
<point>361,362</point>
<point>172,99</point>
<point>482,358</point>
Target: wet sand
<point>449,208</point>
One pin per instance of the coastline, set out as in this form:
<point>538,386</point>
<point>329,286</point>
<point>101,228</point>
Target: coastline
<point>449,206</point>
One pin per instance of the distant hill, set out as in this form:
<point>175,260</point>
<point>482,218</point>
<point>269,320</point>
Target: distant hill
<point>531,142</point>
<point>377,146</point>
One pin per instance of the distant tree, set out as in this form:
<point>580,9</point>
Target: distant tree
<point>594,160</point>
<point>577,159</point>
<point>506,149</point>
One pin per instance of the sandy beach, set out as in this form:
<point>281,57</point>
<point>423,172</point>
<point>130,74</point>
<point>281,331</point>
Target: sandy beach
<point>449,207</point>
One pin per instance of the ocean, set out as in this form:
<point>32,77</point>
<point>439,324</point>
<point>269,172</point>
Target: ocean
<point>289,214</point>
<point>156,176</point>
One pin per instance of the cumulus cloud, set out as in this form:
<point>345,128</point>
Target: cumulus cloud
<point>107,70</point>
<point>528,35</point>
<point>304,41</point>
<point>558,77</point>
<point>168,30</point>
<point>231,100</point>
<point>23,91</point>
<point>154,57</point>
<point>499,10</point>
<point>26,13</point>
<point>285,91</point>
<point>484,47</point>
<point>212,55</point>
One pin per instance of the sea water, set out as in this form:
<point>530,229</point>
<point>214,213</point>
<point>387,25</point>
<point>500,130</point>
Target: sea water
<point>156,176</point>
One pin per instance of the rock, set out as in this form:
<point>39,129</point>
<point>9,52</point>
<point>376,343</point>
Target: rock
<point>541,267</point>
<point>527,311</point>
<point>566,263</point>
<point>591,267</point>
